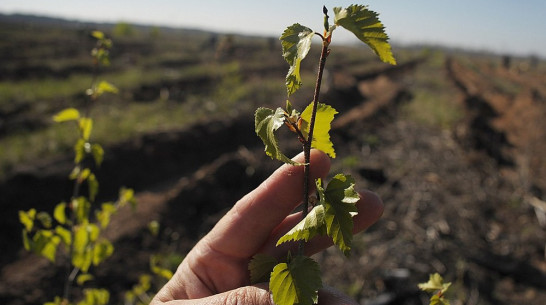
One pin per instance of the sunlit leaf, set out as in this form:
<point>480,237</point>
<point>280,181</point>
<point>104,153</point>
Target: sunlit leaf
<point>59,213</point>
<point>105,213</point>
<point>57,301</point>
<point>102,250</point>
<point>260,267</point>
<point>93,185</point>
<point>79,151</point>
<point>308,227</point>
<point>365,25</point>
<point>82,278</point>
<point>296,42</point>
<point>27,218</point>
<point>321,133</point>
<point>45,219</point>
<point>98,35</point>
<point>106,87</point>
<point>82,208</point>
<point>127,195</point>
<point>435,283</point>
<point>27,242</point>
<point>339,200</point>
<point>296,282</point>
<point>69,114</point>
<point>94,232</point>
<point>86,126</point>
<point>159,270</point>
<point>64,234</point>
<point>45,244</point>
<point>82,256</point>
<point>95,297</point>
<point>267,122</point>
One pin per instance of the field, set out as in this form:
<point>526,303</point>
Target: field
<point>452,142</point>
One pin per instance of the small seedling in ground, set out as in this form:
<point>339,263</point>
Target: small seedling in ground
<point>296,278</point>
<point>76,226</point>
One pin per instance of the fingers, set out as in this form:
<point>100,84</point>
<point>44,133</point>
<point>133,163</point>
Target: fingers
<point>258,295</point>
<point>245,228</point>
<point>249,295</point>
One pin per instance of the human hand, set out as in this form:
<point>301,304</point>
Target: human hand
<point>216,269</point>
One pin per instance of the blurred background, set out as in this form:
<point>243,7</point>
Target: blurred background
<point>452,138</point>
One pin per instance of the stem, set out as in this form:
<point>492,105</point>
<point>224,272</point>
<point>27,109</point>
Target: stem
<point>307,143</point>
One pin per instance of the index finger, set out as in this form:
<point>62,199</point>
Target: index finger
<point>244,229</point>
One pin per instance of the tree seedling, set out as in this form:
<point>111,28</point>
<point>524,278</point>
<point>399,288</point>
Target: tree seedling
<point>296,278</point>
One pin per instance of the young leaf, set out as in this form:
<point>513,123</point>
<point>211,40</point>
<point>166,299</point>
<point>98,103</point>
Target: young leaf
<point>27,218</point>
<point>98,153</point>
<point>260,268</point>
<point>79,151</point>
<point>157,269</point>
<point>44,219</point>
<point>104,214</point>
<point>321,134</point>
<point>366,26</point>
<point>308,227</point>
<point>86,125</point>
<point>104,87</point>
<point>435,283</point>
<point>296,42</point>
<point>267,122</point>
<point>98,35</point>
<point>339,200</point>
<point>45,244</point>
<point>64,234</point>
<point>82,278</point>
<point>296,282</point>
<point>127,195</point>
<point>59,213</point>
<point>93,185</point>
<point>102,250</point>
<point>69,114</point>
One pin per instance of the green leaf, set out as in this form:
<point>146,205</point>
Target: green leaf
<point>339,200</point>
<point>95,297</point>
<point>79,151</point>
<point>267,122</point>
<point>27,242</point>
<point>438,300</point>
<point>27,218</point>
<point>82,207</point>
<point>57,301</point>
<point>98,153</point>
<point>98,35</point>
<point>435,283</point>
<point>102,250</point>
<point>44,219</point>
<point>86,125</point>
<point>64,234</point>
<point>59,213</point>
<point>127,195</point>
<point>308,227</point>
<point>366,26</point>
<point>69,114</point>
<point>153,227</point>
<point>104,87</point>
<point>159,270</point>
<point>45,244</point>
<point>82,256</point>
<point>296,42</point>
<point>260,267</point>
<point>82,278</point>
<point>93,186</point>
<point>105,213</point>
<point>296,282</point>
<point>321,133</point>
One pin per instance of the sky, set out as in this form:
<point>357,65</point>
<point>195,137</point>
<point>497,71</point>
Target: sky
<point>499,26</point>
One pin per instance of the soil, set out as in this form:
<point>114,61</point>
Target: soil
<point>465,202</point>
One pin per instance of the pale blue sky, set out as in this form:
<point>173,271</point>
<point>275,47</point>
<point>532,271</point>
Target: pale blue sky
<point>501,26</point>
